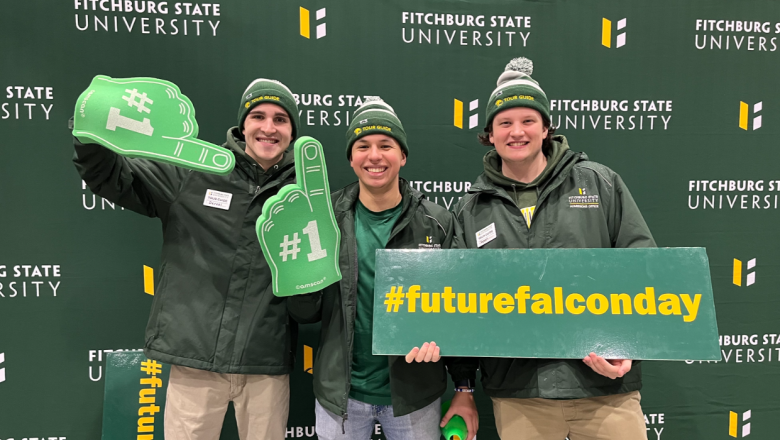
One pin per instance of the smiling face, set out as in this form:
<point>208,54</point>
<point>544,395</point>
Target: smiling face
<point>268,132</point>
<point>518,134</point>
<point>377,159</point>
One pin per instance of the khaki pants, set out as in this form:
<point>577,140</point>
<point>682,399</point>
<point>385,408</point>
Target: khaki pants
<point>197,400</point>
<point>616,417</point>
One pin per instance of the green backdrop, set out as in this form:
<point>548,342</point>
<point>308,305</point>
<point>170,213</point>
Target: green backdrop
<point>700,164</point>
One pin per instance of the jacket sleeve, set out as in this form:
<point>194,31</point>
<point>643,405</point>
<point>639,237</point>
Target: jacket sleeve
<point>453,237</point>
<point>305,309</point>
<point>143,186</point>
<point>462,368</point>
<point>627,227</point>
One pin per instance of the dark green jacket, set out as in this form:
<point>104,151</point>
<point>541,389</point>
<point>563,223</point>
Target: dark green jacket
<point>558,222</point>
<point>213,306</point>
<point>412,386</point>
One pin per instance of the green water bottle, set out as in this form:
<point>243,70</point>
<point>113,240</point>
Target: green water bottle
<point>456,428</point>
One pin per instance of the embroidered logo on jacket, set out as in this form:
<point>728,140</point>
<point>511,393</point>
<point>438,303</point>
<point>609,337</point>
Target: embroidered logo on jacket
<point>429,243</point>
<point>584,200</point>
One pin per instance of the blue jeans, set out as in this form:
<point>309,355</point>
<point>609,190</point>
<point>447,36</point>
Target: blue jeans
<point>422,424</point>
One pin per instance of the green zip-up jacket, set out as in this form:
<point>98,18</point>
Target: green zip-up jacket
<point>608,218</point>
<point>421,225</point>
<point>213,306</point>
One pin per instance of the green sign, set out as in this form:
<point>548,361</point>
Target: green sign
<point>134,397</point>
<point>147,118</point>
<point>298,231</point>
<point>547,303</point>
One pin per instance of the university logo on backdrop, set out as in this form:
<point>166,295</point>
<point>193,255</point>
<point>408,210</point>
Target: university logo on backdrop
<point>654,424</point>
<point>20,282</point>
<point>749,278</point>
<point>327,109</point>
<point>305,23</point>
<point>454,29</point>
<point>148,17</point>
<point>719,194</point>
<point>734,422</point>
<point>735,35</point>
<point>27,102</point>
<point>744,115</point>
<point>606,33</point>
<point>473,119</point>
<point>148,280</point>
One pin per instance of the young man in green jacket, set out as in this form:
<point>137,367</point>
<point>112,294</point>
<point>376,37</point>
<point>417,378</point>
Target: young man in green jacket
<point>214,317</point>
<point>355,389</point>
<point>529,196</point>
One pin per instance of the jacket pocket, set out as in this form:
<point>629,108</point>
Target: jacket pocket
<point>153,327</point>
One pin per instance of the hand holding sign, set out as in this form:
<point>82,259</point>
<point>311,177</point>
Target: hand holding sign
<point>298,231</point>
<point>146,118</point>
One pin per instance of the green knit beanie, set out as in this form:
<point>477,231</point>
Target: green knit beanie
<point>375,116</point>
<point>516,88</point>
<point>268,90</point>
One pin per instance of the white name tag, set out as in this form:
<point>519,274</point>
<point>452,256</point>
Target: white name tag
<point>217,199</point>
<point>486,234</point>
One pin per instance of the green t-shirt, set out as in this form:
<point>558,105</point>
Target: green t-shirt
<point>370,374</point>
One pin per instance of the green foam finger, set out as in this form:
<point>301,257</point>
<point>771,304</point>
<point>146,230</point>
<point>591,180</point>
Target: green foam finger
<point>146,118</point>
<point>312,172</point>
<point>297,229</point>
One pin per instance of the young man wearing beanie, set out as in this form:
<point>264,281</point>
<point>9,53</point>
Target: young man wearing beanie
<point>355,389</point>
<point>523,195</point>
<point>214,317</point>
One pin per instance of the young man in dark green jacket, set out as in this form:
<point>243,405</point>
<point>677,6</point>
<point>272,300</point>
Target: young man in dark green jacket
<point>536,193</point>
<point>355,389</point>
<point>214,317</point>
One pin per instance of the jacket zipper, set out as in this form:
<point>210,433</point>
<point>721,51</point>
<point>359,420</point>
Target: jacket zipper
<point>348,359</point>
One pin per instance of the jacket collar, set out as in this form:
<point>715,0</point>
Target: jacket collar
<point>484,184</point>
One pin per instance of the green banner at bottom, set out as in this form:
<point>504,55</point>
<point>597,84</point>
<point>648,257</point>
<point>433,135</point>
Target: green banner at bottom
<point>652,303</point>
<point>134,398</point>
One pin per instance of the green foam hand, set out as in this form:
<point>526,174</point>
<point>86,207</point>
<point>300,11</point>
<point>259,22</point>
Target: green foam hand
<point>146,118</point>
<point>298,231</point>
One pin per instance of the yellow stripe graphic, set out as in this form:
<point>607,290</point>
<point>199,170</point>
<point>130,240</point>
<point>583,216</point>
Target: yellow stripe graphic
<point>305,22</point>
<point>148,280</point>
<point>732,424</point>
<point>308,359</point>
<point>606,32</point>
<point>743,115</point>
<point>737,272</point>
<point>458,114</point>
